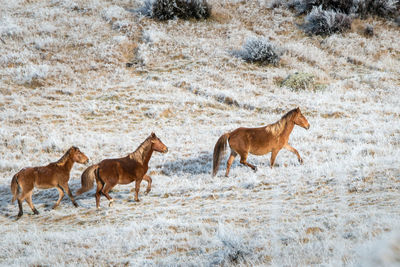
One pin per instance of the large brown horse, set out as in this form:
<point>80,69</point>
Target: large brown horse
<point>56,174</point>
<point>110,172</point>
<point>259,141</point>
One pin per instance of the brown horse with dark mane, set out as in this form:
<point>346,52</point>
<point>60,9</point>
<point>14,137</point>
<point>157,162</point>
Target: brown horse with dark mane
<point>110,172</point>
<point>56,174</point>
<point>259,141</point>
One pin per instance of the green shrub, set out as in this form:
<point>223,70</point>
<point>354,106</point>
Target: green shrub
<point>301,81</point>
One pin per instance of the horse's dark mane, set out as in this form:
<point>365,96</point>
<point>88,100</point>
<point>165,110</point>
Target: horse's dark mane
<point>277,127</point>
<point>65,157</point>
<point>138,153</point>
<point>289,114</point>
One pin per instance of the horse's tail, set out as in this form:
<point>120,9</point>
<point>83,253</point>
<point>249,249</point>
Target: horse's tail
<point>15,188</point>
<point>219,151</point>
<point>87,179</point>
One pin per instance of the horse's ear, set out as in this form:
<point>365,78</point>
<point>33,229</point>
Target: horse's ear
<point>298,109</point>
<point>153,135</point>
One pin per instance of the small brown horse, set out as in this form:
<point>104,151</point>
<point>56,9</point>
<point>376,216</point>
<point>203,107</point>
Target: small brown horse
<point>56,174</point>
<point>110,172</point>
<point>259,141</point>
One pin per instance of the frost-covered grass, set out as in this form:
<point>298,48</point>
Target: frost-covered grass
<point>339,208</point>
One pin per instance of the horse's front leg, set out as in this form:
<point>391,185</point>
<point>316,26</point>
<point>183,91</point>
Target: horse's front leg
<point>69,193</point>
<point>149,181</point>
<point>293,150</point>
<point>60,197</point>
<point>274,153</point>
<point>137,187</point>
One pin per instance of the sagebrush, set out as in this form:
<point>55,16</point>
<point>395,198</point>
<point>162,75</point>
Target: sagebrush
<point>326,22</point>
<point>171,9</point>
<point>259,50</point>
<point>305,6</point>
<point>361,8</point>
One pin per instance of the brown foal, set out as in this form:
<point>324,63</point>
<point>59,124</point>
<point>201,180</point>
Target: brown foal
<point>110,172</point>
<point>56,174</point>
<point>259,141</point>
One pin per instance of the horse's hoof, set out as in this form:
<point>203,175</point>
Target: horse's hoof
<point>110,204</point>
<point>255,169</point>
<point>35,212</point>
<point>76,205</point>
<point>137,200</point>
<point>301,161</point>
<point>20,214</point>
<point>147,191</point>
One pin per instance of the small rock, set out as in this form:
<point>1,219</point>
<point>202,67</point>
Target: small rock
<point>369,31</point>
<point>167,113</point>
<point>313,230</point>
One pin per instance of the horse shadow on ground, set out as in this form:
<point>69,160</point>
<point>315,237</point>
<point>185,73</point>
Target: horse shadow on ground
<point>203,164</point>
<point>119,192</point>
<point>194,165</point>
<point>5,201</point>
<point>43,199</point>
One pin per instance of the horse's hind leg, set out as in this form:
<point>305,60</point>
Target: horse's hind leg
<point>292,149</point>
<point>71,196</point>
<point>243,160</point>
<point>60,196</point>
<point>29,200</point>
<point>149,180</point>
<point>100,186</point>
<point>106,189</point>
<point>230,161</point>
<point>21,212</point>
<point>27,196</point>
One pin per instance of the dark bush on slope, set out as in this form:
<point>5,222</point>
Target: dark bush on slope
<point>362,8</point>
<point>258,50</point>
<point>322,22</point>
<point>305,6</point>
<point>382,8</point>
<point>170,9</point>
<point>397,20</point>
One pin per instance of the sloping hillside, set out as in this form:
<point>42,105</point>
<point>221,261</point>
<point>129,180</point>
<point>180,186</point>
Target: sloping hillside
<point>100,76</point>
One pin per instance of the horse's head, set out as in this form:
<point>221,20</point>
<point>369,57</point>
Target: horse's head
<point>157,145</point>
<point>78,156</point>
<point>300,120</point>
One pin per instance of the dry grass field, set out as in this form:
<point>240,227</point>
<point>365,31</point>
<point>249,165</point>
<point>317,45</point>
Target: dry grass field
<point>100,76</point>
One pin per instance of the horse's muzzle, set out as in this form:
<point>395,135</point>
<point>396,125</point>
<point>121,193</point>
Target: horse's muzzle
<point>165,150</point>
